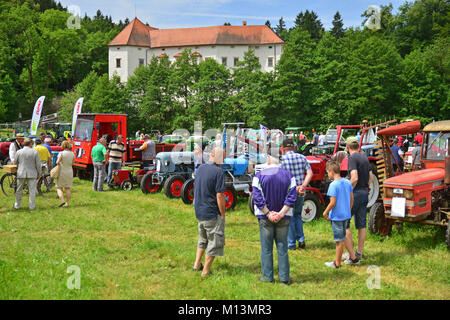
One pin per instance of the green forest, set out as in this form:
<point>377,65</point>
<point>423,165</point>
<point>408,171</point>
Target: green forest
<point>324,77</point>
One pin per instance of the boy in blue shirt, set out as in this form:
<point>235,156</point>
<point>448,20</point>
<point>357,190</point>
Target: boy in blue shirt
<point>340,192</point>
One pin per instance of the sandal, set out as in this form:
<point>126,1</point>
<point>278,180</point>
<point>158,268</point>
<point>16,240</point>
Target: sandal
<point>61,205</point>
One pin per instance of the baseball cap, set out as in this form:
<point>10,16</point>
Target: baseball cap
<point>288,143</point>
<point>352,141</point>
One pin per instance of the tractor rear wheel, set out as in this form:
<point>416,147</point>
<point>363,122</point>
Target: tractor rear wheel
<point>251,204</point>
<point>378,224</point>
<point>187,191</point>
<point>312,208</point>
<point>230,198</point>
<point>173,186</point>
<point>149,185</point>
<point>374,191</point>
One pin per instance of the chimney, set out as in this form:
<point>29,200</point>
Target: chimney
<point>244,23</point>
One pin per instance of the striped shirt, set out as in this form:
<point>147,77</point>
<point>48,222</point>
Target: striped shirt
<point>116,151</point>
<point>297,165</point>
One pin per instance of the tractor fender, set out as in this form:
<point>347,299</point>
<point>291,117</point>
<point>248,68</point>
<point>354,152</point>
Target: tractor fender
<point>315,190</point>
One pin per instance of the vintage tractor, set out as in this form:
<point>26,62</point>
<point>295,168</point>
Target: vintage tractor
<point>58,130</point>
<point>172,170</point>
<point>242,155</point>
<point>422,196</point>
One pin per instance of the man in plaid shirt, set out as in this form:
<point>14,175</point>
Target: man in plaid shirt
<point>298,166</point>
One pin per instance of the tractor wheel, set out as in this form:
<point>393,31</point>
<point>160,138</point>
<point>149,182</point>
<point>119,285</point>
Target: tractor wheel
<point>230,198</point>
<point>312,208</point>
<point>173,186</point>
<point>447,235</point>
<point>126,185</point>
<point>187,191</point>
<point>148,185</point>
<point>378,224</point>
<point>374,191</point>
<point>251,204</point>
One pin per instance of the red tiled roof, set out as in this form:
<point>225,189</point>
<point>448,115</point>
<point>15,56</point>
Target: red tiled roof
<point>134,34</point>
<point>138,34</point>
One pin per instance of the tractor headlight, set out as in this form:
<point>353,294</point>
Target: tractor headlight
<point>408,194</point>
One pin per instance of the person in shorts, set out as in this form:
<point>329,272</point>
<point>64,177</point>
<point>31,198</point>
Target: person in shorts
<point>209,204</point>
<point>360,177</point>
<point>338,210</point>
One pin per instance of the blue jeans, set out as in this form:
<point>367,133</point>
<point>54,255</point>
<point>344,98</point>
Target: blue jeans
<point>113,166</point>
<point>296,225</point>
<point>270,232</point>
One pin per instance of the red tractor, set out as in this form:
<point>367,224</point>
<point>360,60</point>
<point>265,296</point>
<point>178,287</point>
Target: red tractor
<point>422,196</point>
<point>90,128</point>
<point>335,141</point>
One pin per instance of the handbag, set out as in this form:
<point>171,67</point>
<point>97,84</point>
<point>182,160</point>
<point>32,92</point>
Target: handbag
<point>54,173</point>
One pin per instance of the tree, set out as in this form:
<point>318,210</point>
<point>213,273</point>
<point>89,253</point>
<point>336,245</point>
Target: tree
<point>268,24</point>
<point>311,23</point>
<point>281,27</point>
<point>338,26</point>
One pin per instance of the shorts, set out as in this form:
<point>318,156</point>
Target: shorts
<point>211,236</point>
<point>359,209</point>
<point>339,230</point>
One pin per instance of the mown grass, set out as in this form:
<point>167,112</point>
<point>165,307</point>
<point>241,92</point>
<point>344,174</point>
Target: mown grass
<point>134,246</point>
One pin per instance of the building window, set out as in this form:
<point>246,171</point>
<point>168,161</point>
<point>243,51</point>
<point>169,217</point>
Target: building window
<point>141,62</point>
<point>235,61</point>
<point>118,63</point>
<point>256,47</point>
<point>270,62</point>
<point>270,47</point>
<point>224,61</point>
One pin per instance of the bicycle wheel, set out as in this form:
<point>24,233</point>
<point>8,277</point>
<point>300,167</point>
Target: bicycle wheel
<point>44,184</point>
<point>9,184</point>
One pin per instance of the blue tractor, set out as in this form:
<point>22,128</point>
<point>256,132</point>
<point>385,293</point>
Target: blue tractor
<point>242,155</point>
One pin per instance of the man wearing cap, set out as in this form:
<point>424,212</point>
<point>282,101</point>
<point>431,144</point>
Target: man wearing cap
<point>148,151</point>
<point>16,146</point>
<point>360,177</point>
<point>298,166</point>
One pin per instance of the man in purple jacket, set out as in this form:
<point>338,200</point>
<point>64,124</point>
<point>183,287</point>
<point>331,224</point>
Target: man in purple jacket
<point>274,196</point>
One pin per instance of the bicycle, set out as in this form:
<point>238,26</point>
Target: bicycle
<point>8,183</point>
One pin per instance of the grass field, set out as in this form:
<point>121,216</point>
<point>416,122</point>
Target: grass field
<point>128,245</point>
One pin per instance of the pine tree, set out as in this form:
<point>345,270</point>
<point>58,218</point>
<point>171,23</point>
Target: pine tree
<point>280,27</point>
<point>338,26</point>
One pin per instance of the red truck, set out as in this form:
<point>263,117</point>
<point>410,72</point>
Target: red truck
<point>90,127</point>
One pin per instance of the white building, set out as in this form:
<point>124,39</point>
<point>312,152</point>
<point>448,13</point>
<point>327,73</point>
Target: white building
<point>138,43</point>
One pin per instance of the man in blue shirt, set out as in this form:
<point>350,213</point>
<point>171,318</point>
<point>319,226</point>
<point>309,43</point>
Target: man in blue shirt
<point>298,166</point>
<point>398,153</point>
<point>209,204</point>
<point>274,196</point>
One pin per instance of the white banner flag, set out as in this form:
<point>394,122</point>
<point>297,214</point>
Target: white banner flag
<point>36,115</point>
<point>76,112</point>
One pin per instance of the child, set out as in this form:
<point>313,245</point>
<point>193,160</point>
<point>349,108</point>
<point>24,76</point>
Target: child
<point>340,192</point>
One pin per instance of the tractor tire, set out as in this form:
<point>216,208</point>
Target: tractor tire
<point>187,191</point>
<point>251,204</point>
<point>149,186</point>
<point>126,185</point>
<point>230,198</point>
<point>173,186</point>
<point>447,235</point>
<point>312,207</point>
<point>374,192</point>
<point>378,224</point>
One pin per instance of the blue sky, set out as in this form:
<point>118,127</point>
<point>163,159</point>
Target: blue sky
<point>199,13</point>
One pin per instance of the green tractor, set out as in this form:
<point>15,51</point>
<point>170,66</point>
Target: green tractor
<point>304,147</point>
<point>59,130</point>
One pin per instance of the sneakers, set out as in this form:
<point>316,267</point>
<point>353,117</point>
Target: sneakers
<point>346,256</point>
<point>301,245</point>
<point>332,264</point>
<point>351,262</point>
<point>262,279</point>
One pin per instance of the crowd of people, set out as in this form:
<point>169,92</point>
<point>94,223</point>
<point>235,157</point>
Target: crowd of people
<point>278,196</point>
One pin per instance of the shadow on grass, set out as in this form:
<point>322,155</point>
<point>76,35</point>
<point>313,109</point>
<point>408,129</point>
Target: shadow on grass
<point>321,276</point>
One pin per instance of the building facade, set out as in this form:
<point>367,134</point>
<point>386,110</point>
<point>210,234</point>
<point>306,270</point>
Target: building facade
<point>138,43</point>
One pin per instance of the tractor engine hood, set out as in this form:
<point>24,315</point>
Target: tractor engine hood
<point>415,178</point>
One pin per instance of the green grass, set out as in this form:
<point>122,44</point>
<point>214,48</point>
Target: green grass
<point>134,246</point>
